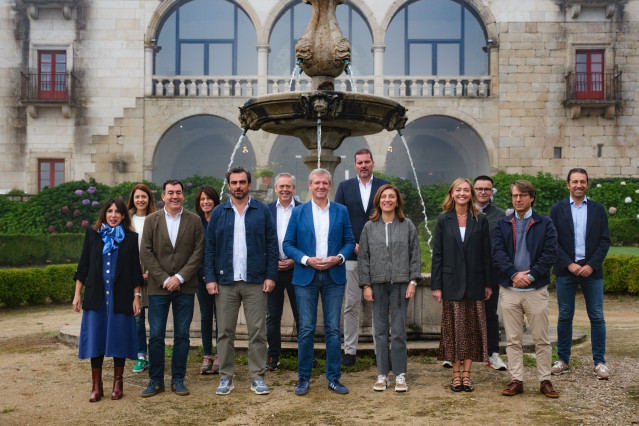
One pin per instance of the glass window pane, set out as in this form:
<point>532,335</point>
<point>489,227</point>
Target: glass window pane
<point>45,167</point>
<point>45,57</point>
<point>246,51</point>
<point>279,59</point>
<point>475,58</point>
<point>165,55</point>
<point>302,16</point>
<point>361,44</point>
<point>448,59</point>
<point>395,45</point>
<point>59,166</point>
<point>421,59</point>
<point>205,19</point>
<point>192,59</point>
<point>434,19</point>
<point>45,68</point>
<point>61,58</point>
<point>219,63</point>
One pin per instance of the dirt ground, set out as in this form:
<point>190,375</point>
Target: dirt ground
<point>43,382</point>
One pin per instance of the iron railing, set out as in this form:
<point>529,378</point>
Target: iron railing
<point>48,87</point>
<point>593,87</point>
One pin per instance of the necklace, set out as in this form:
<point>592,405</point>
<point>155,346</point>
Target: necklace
<point>462,215</point>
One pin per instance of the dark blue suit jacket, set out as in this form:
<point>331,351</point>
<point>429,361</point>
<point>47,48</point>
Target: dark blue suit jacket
<point>300,241</point>
<point>597,237</point>
<point>348,195</point>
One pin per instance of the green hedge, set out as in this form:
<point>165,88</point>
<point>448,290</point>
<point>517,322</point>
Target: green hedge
<point>624,231</point>
<point>36,286</point>
<point>28,249</point>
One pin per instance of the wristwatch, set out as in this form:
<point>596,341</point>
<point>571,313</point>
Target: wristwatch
<point>341,258</point>
<point>531,278</point>
<point>413,283</point>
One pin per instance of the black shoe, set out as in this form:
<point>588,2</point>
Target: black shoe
<point>316,364</point>
<point>272,363</point>
<point>348,360</point>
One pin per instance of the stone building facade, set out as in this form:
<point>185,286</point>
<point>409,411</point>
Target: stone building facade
<point>547,86</point>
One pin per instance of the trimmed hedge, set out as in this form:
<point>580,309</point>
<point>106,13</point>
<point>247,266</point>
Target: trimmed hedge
<point>30,249</point>
<point>36,286</point>
<point>623,231</point>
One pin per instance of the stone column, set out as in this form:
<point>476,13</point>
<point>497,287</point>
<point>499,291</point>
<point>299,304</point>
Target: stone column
<point>148,68</point>
<point>262,69</point>
<point>378,68</point>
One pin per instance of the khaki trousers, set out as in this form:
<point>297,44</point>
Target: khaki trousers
<point>534,305</point>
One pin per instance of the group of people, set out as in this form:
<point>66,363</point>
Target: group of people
<point>476,256</point>
<point>244,252</point>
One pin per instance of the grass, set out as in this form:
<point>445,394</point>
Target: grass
<point>628,250</point>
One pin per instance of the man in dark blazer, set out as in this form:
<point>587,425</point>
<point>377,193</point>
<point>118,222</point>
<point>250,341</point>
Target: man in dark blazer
<point>172,250</point>
<point>584,239</point>
<point>357,195</point>
<point>281,210</point>
<point>319,239</point>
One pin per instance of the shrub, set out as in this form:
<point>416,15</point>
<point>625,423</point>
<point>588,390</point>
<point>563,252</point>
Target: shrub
<point>64,248</point>
<point>616,273</point>
<point>22,250</point>
<point>35,286</point>
<point>623,231</point>
<point>13,286</point>
<point>60,279</point>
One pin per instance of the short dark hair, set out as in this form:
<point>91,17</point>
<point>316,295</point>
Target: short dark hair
<point>211,193</point>
<point>362,152</point>
<point>577,170</point>
<point>525,187</point>
<point>172,182</point>
<point>238,169</point>
<point>484,177</point>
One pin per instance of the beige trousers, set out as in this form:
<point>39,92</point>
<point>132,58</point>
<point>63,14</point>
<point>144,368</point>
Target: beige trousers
<point>534,305</point>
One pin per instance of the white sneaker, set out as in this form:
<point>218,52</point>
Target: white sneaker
<point>601,371</point>
<point>496,362</point>
<point>559,367</point>
<point>400,383</point>
<point>447,364</point>
<point>381,384</point>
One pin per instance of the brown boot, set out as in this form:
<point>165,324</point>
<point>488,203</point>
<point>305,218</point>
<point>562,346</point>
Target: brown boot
<point>97,392</point>
<point>117,383</point>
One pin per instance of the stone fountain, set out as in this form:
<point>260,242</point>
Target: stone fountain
<point>323,54</point>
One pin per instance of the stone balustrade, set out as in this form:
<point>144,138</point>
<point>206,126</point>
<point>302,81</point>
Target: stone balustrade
<point>392,86</point>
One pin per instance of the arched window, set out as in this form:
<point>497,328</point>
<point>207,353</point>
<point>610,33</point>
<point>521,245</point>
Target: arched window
<point>290,26</point>
<point>206,37</point>
<point>436,37</point>
<point>200,145</point>
<point>443,149</point>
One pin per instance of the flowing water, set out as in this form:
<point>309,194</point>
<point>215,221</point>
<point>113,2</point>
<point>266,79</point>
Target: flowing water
<point>410,158</point>
<point>351,78</point>
<point>237,146</point>
<point>295,75</point>
<point>319,141</point>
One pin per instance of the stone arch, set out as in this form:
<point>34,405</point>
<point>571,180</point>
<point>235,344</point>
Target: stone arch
<point>198,144</point>
<point>483,11</point>
<point>442,147</point>
<point>167,5</point>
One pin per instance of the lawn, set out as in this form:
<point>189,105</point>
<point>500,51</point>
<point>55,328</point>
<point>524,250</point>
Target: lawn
<point>629,250</point>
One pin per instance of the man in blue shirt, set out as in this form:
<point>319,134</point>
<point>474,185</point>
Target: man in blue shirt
<point>584,239</point>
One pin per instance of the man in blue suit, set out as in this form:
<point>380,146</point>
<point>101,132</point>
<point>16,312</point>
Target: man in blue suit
<point>584,239</point>
<point>357,195</point>
<point>281,210</point>
<point>319,239</point>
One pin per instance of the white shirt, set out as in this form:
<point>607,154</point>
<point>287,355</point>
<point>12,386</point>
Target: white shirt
<point>365,191</point>
<point>283,216</point>
<point>138,225</point>
<point>321,224</point>
<point>239,244</point>
<point>173,226</point>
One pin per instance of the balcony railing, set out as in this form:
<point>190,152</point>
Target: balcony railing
<point>593,88</point>
<point>45,88</point>
<point>393,86</point>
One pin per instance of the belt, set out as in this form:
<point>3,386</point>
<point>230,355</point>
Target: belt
<point>581,262</point>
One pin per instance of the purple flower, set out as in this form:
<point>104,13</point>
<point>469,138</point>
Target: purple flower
<point>85,223</point>
<point>76,213</point>
<point>69,224</point>
<point>86,202</point>
<point>65,209</point>
<point>79,192</point>
<point>189,184</point>
<point>95,203</point>
<point>91,190</point>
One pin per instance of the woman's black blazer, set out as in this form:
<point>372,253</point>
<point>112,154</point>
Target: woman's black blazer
<point>462,269</point>
<point>128,274</point>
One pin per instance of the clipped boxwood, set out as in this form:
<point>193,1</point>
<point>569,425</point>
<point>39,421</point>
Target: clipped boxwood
<point>28,249</point>
<point>616,273</point>
<point>623,231</point>
<point>65,248</point>
<point>61,284</point>
<point>36,286</point>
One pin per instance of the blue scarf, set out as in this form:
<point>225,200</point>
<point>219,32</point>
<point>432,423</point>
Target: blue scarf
<point>111,237</point>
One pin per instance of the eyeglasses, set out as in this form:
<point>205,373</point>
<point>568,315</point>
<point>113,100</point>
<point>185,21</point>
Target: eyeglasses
<point>483,190</point>
<point>520,195</point>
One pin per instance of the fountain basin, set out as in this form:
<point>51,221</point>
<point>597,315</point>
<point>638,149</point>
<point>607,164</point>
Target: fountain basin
<point>343,114</point>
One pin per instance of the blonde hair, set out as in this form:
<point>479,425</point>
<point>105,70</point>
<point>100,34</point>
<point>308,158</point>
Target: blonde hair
<point>449,202</point>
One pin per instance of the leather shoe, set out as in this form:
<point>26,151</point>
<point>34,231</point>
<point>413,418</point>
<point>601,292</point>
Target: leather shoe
<point>513,388</point>
<point>546,388</point>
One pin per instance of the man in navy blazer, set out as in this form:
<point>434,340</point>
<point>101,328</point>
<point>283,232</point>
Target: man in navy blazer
<point>319,239</point>
<point>584,239</point>
<point>281,210</point>
<point>357,195</point>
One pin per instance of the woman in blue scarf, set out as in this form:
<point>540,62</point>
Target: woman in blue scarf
<point>109,269</point>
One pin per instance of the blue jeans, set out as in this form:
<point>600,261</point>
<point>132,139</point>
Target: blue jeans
<point>207,313</point>
<point>182,316</point>
<point>140,326</point>
<point>307,298</point>
<point>274,309</point>
<point>593,294</point>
